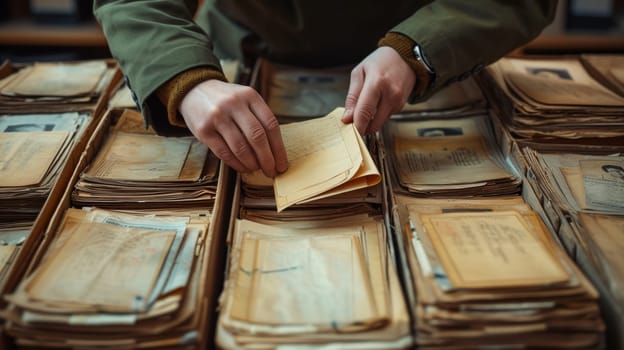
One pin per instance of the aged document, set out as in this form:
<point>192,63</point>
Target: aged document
<point>135,168</point>
<point>92,267</point>
<point>92,253</point>
<point>555,91</point>
<point>307,282</point>
<point>140,157</point>
<point>57,79</point>
<point>557,82</point>
<point>131,121</point>
<point>285,281</point>
<point>450,157</point>
<point>445,160</point>
<point>27,156</point>
<point>326,157</point>
<point>607,69</point>
<point>298,92</point>
<point>605,242</point>
<point>70,121</point>
<point>603,182</point>
<point>6,255</point>
<point>492,250</point>
<point>486,272</point>
<point>132,279</point>
<point>581,182</point>
<point>618,75</point>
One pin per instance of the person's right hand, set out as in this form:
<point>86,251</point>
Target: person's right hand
<point>236,124</point>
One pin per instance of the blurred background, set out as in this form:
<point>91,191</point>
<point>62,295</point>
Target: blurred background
<point>54,30</point>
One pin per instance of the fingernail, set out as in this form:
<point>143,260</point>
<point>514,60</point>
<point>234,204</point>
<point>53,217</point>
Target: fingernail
<point>282,168</point>
<point>347,112</point>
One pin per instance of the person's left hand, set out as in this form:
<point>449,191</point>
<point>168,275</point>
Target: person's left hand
<point>380,86</point>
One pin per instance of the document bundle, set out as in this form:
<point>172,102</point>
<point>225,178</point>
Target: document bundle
<point>487,272</point>
<point>303,284</point>
<point>53,87</point>
<point>116,280</point>
<point>585,196</point>
<point>136,168</point>
<point>449,157</point>
<point>558,98</point>
<point>330,165</point>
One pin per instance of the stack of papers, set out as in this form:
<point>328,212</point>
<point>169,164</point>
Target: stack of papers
<point>34,147</point>
<point>329,285</point>
<point>555,98</point>
<point>53,87</point>
<point>601,238</point>
<point>488,273</point>
<point>607,69</point>
<point>455,157</point>
<point>329,165</point>
<point>110,279</point>
<point>578,182</point>
<point>135,168</point>
<point>587,193</point>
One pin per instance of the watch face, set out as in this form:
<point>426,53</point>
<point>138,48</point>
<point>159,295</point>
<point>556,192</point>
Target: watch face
<point>420,56</point>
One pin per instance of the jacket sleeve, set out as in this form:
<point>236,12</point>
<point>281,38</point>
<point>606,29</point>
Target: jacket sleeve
<point>461,37</point>
<point>153,41</point>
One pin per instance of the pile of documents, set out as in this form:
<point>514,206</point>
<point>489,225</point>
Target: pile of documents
<point>450,157</point>
<point>53,87</point>
<point>556,98</point>
<point>116,280</point>
<point>135,168</point>
<point>330,165</point>
<point>585,194</point>
<point>46,110</point>
<point>328,285</point>
<point>599,253</point>
<point>489,274</point>
<point>35,148</point>
<point>579,182</point>
<point>607,69</point>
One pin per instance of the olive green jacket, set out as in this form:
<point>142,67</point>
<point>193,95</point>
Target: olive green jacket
<point>155,40</point>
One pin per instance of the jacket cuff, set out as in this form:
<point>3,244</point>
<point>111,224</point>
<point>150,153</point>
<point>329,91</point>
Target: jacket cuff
<point>405,46</point>
<point>173,91</point>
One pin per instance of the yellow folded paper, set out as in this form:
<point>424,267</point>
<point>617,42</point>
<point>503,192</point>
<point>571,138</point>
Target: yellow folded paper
<point>326,157</point>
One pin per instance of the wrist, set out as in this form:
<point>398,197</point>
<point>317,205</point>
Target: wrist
<point>173,91</point>
<point>413,54</point>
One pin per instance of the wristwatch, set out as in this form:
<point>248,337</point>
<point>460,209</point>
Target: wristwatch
<point>421,57</point>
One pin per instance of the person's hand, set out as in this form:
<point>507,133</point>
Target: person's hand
<point>237,125</point>
<point>380,86</point>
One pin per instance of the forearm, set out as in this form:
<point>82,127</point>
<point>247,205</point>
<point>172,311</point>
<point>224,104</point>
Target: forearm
<point>154,41</point>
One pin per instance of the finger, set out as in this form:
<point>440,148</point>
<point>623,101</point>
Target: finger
<point>218,146</point>
<point>384,110</point>
<point>238,145</point>
<point>355,87</point>
<point>366,107</point>
<point>273,134</point>
<point>256,136</point>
